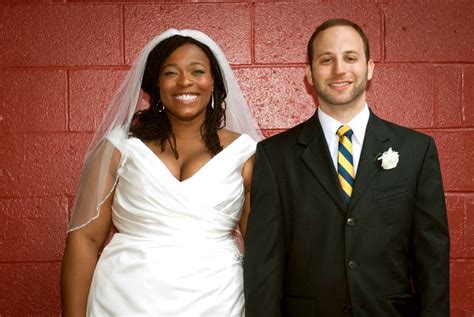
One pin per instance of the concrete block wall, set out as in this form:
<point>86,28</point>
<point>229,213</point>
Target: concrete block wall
<point>61,60</point>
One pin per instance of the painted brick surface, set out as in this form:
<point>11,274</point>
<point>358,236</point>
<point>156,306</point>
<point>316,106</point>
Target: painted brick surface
<point>58,35</point>
<point>403,94</point>
<point>282,30</point>
<point>282,88</point>
<point>460,313</point>
<point>34,165</point>
<point>468,96</point>
<point>228,24</point>
<point>447,95</point>
<point>30,289</point>
<point>456,220</point>
<point>27,102</point>
<point>417,32</point>
<point>270,132</point>
<point>35,226</point>
<point>27,1</point>
<point>90,94</point>
<point>462,286</point>
<point>469,205</point>
<point>452,154</point>
<point>61,61</point>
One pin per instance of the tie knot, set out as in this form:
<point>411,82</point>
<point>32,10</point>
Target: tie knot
<point>344,130</point>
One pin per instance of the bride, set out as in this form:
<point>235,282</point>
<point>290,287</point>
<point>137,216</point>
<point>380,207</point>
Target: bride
<point>173,179</point>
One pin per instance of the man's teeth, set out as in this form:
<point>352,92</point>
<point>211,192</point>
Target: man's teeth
<point>186,97</point>
<point>340,84</point>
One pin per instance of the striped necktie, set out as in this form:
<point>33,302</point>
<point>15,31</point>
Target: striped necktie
<point>345,167</point>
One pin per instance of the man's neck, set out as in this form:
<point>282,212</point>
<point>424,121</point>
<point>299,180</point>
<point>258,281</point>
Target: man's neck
<point>343,113</point>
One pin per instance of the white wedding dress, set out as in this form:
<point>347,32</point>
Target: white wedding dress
<point>174,254</point>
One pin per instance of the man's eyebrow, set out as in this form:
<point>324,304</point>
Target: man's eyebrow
<point>345,52</point>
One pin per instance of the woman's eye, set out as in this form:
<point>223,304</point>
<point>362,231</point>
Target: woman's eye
<point>198,72</point>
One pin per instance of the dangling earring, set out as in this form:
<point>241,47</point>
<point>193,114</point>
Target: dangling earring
<point>212,100</point>
<point>162,106</point>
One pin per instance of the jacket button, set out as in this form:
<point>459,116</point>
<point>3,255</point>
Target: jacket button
<point>353,264</point>
<point>347,308</point>
<point>350,221</point>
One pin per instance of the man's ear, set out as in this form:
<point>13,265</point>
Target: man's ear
<point>309,77</point>
<point>370,69</point>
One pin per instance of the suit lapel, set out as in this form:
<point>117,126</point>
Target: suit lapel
<point>376,136</point>
<point>316,156</point>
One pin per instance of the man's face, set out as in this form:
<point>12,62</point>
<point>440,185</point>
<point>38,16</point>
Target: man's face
<point>339,70</point>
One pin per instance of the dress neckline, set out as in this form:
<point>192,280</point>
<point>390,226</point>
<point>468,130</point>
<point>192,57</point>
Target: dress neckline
<point>203,167</point>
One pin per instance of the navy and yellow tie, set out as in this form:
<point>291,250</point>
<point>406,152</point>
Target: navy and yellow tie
<point>345,166</point>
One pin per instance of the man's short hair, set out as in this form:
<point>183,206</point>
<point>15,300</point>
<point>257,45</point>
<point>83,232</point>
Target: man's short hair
<point>338,22</point>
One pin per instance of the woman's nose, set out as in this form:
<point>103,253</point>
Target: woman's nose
<point>184,80</point>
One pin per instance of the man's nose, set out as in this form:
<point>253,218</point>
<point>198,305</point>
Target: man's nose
<point>339,67</point>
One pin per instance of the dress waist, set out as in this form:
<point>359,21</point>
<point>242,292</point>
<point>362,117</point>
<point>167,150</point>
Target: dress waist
<point>179,241</point>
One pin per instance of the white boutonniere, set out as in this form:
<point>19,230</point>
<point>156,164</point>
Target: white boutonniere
<point>389,159</point>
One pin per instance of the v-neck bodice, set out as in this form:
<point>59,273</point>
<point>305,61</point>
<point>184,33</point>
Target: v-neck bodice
<point>147,190</point>
<point>228,148</point>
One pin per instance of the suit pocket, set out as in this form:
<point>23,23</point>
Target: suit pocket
<point>391,202</point>
<point>299,306</point>
<point>405,304</point>
<point>390,191</point>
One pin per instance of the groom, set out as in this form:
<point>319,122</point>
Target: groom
<point>348,214</point>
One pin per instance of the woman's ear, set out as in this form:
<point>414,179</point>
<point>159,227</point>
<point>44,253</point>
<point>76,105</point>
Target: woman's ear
<point>145,96</point>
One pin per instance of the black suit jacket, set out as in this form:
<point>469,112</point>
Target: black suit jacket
<point>385,254</point>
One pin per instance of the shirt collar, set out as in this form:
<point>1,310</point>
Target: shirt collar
<point>358,124</point>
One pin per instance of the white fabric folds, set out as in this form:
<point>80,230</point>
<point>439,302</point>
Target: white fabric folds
<point>174,254</point>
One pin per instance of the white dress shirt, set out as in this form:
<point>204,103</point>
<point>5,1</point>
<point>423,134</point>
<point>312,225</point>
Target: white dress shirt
<point>358,124</point>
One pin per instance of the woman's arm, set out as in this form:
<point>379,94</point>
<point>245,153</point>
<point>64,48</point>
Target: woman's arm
<point>84,244</point>
<point>79,261</point>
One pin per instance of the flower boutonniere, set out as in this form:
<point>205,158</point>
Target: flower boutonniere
<point>389,159</point>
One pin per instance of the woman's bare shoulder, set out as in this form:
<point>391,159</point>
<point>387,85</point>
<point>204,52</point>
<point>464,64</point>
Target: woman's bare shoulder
<point>227,137</point>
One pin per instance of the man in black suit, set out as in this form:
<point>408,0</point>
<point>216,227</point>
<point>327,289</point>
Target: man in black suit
<point>354,231</point>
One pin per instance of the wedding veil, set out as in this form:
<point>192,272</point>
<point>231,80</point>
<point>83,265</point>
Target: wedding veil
<point>104,159</point>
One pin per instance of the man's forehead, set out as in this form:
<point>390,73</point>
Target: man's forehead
<point>342,36</point>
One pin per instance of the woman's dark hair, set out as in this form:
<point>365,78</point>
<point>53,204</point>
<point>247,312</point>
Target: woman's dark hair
<point>153,124</point>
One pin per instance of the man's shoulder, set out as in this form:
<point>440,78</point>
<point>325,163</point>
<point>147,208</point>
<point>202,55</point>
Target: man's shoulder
<point>285,138</point>
<point>401,131</point>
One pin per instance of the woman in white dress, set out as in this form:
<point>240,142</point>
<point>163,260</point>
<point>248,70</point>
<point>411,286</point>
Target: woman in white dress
<point>173,179</point>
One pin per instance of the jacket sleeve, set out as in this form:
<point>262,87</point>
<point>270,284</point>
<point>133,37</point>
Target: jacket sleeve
<point>264,243</point>
<point>430,243</point>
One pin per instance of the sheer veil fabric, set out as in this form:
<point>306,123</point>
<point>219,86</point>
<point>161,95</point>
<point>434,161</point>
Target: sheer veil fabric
<point>103,160</point>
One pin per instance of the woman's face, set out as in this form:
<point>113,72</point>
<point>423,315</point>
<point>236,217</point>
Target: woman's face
<point>186,83</point>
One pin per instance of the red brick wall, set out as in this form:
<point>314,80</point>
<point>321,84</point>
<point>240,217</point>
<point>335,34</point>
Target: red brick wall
<point>60,62</point>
